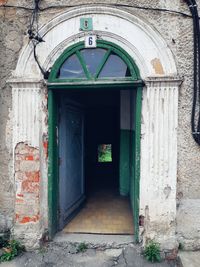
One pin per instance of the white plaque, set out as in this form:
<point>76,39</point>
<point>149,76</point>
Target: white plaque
<point>90,41</point>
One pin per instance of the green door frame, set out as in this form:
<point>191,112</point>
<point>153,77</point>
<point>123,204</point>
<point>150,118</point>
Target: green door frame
<point>92,83</point>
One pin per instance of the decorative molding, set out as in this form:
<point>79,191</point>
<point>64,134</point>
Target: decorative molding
<point>163,81</point>
<point>26,114</point>
<point>22,83</point>
<point>143,43</point>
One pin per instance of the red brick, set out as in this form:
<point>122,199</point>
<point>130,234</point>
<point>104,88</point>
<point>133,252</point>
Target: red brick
<point>30,187</point>
<point>27,219</point>
<point>2,2</point>
<point>29,157</point>
<point>33,176</point>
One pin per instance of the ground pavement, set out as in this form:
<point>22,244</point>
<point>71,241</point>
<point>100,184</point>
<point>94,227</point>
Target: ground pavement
<point>61,254</point>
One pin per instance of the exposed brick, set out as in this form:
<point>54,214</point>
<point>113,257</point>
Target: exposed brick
<point>33,176</point>
<point>29,157</point>
<point>30,187</point>
<point>29,166</point>
<point>27,219</point>
<point>27,177</point>
<point>45,147</point>
<point>3,2</point>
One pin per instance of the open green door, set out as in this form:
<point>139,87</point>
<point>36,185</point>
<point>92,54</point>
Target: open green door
<point>52,163</point>
<point>130,120</point>
<point>135,161</point>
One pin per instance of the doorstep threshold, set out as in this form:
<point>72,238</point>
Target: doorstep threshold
<point>95,240</point>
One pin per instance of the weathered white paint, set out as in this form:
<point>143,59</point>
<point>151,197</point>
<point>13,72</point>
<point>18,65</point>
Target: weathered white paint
<point>159,158</point>
<point>131,33</point>
<point>26,113</point>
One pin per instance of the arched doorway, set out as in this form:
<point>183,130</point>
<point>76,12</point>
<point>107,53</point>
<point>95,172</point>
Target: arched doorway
<point>158,138</point>
<point>103,82</point>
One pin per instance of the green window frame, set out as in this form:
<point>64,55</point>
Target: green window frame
<point>110,49</point>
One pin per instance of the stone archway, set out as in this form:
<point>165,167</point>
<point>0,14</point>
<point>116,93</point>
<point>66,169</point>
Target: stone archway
<point>159,119</point>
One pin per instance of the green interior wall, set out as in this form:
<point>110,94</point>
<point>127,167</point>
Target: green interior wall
<point>124,166</point>
<point>126,128</point>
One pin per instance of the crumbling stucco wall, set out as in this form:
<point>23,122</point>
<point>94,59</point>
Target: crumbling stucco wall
<point>177,31</point>
<point>12,29</point>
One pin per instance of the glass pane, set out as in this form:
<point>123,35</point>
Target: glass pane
<point>71,68</point>
<point>93,58</point>
<point>105,153</point>
<point>115,67</point>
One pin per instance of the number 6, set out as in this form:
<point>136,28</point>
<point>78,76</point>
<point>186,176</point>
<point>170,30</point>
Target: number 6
<point>90,41</point>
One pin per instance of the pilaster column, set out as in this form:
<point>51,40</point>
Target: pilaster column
<point>30,169</point>
<point>159,159</point>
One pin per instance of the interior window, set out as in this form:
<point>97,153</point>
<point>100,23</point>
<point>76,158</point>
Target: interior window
<point>93,58</point>
<point>114,67</point>
<point>71,68</point>
<point>94,63</point>
<point>105,153</point>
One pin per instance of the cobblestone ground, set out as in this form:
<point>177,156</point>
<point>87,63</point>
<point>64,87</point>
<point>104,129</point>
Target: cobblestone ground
<point>73,256</point>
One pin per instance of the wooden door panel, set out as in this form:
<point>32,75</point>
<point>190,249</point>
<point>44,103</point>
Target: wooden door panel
<point>71,171</point>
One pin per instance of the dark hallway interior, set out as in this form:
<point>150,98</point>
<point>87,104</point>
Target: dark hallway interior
<point>104,210</point>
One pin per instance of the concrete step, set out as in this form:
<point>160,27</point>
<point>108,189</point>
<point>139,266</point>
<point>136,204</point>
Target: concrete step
<point>190,258</point>
<point>95,240</point>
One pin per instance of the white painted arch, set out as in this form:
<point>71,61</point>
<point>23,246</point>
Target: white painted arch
<point>143,43</point>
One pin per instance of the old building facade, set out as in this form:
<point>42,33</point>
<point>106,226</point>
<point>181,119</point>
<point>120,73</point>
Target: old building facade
<point>155,40</point>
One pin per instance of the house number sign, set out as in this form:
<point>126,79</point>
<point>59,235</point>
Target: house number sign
<point>90,41</point>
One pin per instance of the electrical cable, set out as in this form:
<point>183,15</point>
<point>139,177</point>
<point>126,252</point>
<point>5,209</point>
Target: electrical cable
<point>195,126</point>
<point>198,91</point>
<point>197,41</point>
<point>34,36</point>
<point>100,4</point>
<point>196,115</point>
<point>45,73</point>
<point>19,7</point>
<point>123,5</point>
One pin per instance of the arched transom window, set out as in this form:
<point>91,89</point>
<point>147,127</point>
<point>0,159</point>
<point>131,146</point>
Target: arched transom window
<point>105,62</point>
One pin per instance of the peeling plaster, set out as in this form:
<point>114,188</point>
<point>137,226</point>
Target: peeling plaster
<point>27,179</point>
<point>157,66</point>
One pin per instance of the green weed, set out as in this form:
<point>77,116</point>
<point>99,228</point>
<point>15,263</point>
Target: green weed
<point>82,247</point>
<point>11,249</point>
<point>152,252</point>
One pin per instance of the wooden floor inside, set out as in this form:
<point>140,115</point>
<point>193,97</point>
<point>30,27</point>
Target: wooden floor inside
<point>105,212</point>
